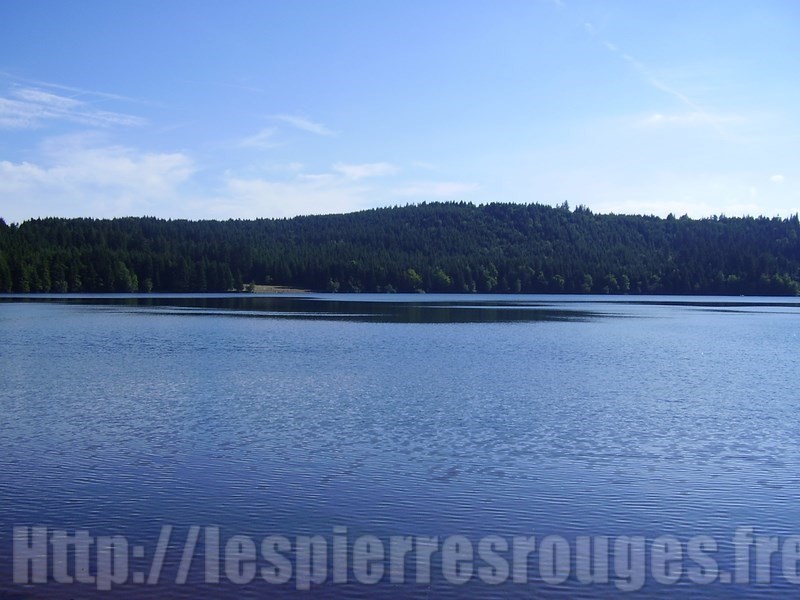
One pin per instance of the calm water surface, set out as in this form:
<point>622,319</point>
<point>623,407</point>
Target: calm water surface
<point>399,415</point>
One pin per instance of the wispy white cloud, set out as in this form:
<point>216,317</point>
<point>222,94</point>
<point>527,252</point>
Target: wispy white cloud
<point>777,179</point>
<point>344,188</point>
<point>435,189</point>
<point>305,124</point>
<point>46,98</point>
<point>293,190</point>
<point>647,75</point>
<point>695,114</point>
<point>81,176</point>
<point>364,170</point>
<point>27,107</point>
<point>264,139</point>
<point>316,177</point>
<point>74,91</point>
<point>650,78</point>
<point>256,197</point>
<point>691,118</point>
<point>660,85</point>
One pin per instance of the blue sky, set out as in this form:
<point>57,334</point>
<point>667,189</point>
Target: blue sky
<point>204,109</point>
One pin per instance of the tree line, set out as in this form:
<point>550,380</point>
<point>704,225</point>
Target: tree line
<point>431,247</point>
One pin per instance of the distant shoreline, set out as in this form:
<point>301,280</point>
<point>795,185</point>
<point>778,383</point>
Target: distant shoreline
<point>275,289</point>
<point>431,248</point>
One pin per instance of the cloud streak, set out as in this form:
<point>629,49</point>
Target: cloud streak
<point>645,73</point>
<point>691,118</point>
<point>363,171</point>
<point>74,91</point>
<point>305,124</point>
<point>30,107</point>
<point>77,176</point>
<point>264,139</point>
<point>256,197</point>
<point>696,115</point>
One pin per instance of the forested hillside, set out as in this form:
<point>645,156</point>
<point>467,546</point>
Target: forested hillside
<point>440,247</point>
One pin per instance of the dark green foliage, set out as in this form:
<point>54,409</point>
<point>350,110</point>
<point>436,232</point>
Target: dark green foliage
<point>440,247</point>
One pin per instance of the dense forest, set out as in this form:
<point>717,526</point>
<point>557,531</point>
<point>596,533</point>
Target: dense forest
<point>439,247</point>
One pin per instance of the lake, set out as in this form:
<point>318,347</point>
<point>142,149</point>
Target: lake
<point>494,436</point>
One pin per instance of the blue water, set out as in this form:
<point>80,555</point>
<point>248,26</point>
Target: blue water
<point>399,415</point>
